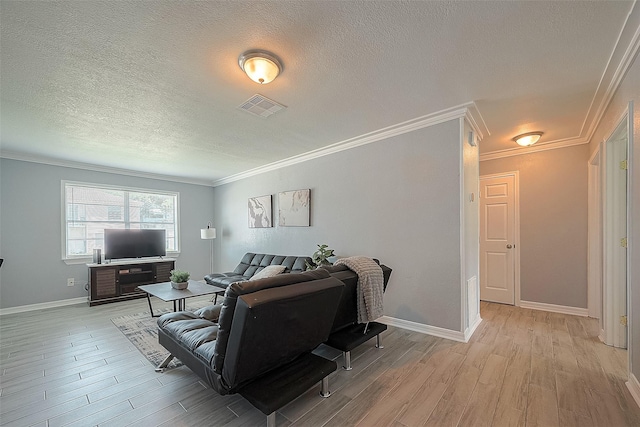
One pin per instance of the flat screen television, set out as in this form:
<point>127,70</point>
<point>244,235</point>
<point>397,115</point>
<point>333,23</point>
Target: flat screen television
<point>119,243</point>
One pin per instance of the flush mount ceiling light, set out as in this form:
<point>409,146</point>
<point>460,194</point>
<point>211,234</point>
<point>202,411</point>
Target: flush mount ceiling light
<point>527,139</point>
<point>261,66</point>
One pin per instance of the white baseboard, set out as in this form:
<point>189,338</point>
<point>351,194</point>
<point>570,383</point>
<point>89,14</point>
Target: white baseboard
<point>562,309</point>
<point>422,328</point>
<point>634,388</point>
<point>42,306</point>
<point>472,328</point>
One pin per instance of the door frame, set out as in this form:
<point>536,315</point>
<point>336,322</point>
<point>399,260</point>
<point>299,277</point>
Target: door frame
<point>608,293</point>
<point>516,223</point>
<point>630,231</point>
<point>594,239</point>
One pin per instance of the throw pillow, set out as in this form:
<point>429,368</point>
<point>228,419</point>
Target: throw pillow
<point>268,271</point>
<point>211,312</point>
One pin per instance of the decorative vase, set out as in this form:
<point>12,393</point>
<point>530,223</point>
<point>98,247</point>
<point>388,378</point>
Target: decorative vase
<point>180,285</point>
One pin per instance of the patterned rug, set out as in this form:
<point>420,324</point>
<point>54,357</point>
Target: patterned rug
<point>142,330</point>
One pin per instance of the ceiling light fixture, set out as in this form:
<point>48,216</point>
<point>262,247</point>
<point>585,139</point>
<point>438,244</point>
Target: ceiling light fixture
<point>527,139</point>
<point>261,66</point>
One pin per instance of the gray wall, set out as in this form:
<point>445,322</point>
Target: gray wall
<point>31,224</point>
<point>397,200</point>
<point>629,90</point>
<point>553,223</point>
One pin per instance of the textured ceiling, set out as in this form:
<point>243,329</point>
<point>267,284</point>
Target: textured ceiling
<point>154,86</point>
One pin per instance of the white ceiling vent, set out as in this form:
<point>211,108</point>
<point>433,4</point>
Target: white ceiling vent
<point>261,106</point>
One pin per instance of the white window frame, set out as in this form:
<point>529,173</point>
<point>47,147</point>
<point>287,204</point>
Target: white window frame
<point>82,259</point>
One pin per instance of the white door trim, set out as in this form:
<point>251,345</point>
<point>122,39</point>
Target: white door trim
<point>630,232</point>
<point>613,333</point>
<point>469,203</point>
<point>594,245</point>
<point>516,254</point>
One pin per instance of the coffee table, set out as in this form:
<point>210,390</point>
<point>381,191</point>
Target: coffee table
<point>165,292</point>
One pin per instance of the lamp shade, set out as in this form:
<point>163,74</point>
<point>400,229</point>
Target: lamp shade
<point>208,233</point>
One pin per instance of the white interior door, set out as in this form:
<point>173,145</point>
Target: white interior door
<point>497,238</point>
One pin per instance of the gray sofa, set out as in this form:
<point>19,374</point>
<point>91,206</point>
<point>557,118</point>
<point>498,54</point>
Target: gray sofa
<point>251,264</point>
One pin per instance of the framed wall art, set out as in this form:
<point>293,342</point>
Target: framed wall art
<point>260,212</point>
<point>293,208</point>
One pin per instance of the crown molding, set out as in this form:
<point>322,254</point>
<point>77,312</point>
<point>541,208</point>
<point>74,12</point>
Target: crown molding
<point>476,121</point>
<point>551,145</point>
<point>96,168</point>
<point>608,86</point>
<point>465,110</point>
<point>468,111</point>
<point>610,81</point>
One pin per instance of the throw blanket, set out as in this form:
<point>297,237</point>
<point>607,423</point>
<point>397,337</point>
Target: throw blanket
<point>370,286</point>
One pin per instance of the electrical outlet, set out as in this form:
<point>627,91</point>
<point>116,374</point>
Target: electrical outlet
<point>70,281</point>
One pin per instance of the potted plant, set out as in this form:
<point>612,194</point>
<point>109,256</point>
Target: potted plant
<point>179,279</point>
<point>320,257</point>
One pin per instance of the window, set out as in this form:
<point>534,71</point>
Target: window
<point>90,208</point>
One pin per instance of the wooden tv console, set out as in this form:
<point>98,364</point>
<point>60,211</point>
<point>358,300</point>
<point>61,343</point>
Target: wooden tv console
<point>119,280</point>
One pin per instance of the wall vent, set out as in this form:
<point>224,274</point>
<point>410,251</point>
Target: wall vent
<point>261,106</point>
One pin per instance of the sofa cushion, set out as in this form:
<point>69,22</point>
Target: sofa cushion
<point>192,331</point>
<point>268,271</point>
<point>206,351</point>
<point>224,281</point>
<point>210,312</point>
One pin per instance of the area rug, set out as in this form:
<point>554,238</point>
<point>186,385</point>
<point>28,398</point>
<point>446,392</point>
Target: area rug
<point>142,330</point>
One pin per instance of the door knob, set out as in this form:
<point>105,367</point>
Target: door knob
<point>509,246</point>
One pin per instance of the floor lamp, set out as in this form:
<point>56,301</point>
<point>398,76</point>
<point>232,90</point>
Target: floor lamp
<point>209,233</point>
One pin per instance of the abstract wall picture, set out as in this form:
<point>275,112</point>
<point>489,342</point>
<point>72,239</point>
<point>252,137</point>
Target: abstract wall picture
<point>260,212</point>
<point>293,208</point>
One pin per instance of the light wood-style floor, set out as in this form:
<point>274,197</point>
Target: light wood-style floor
<point>72,366</point>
